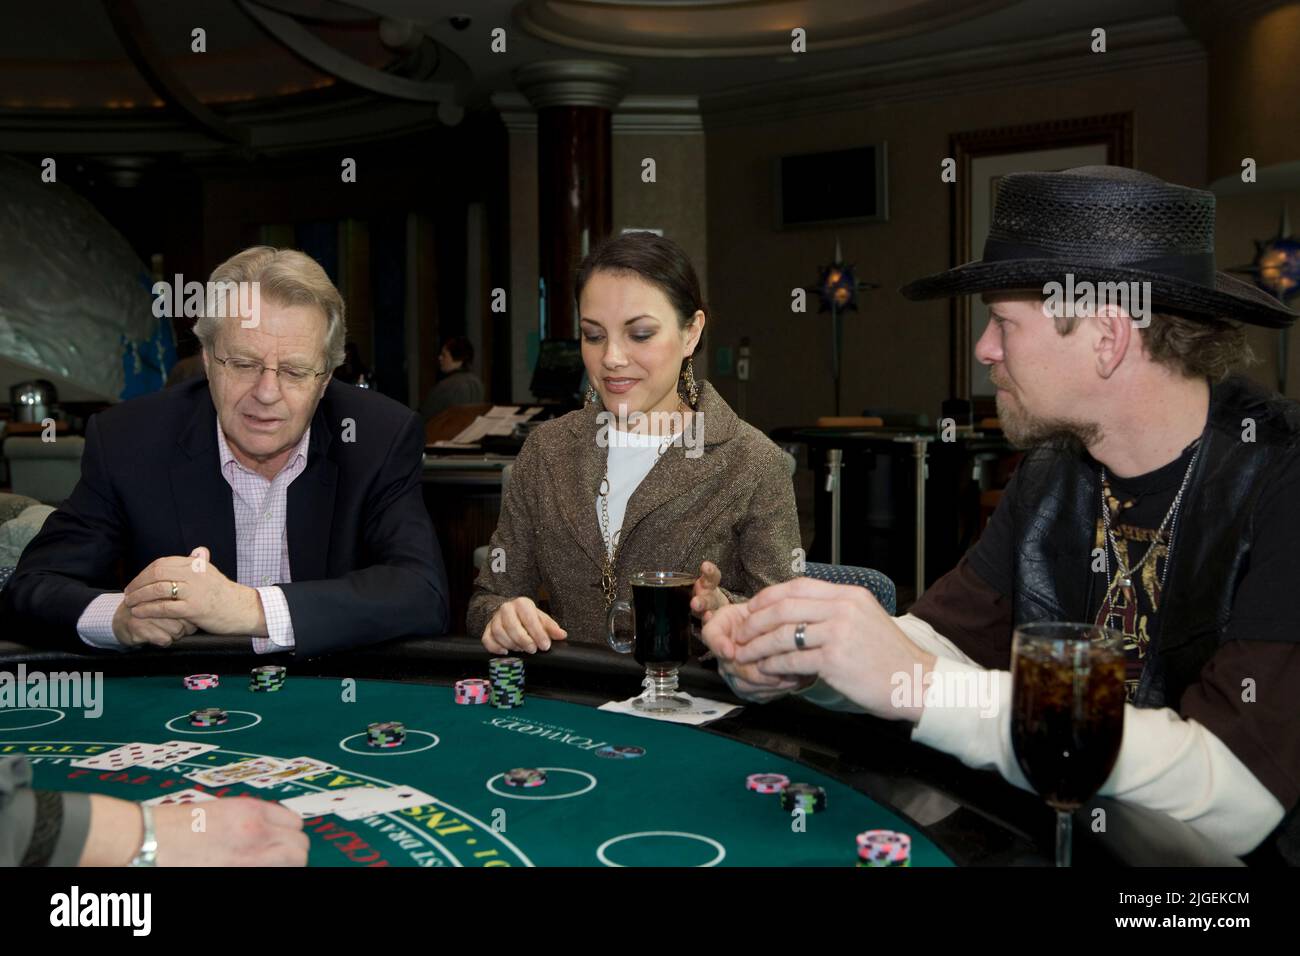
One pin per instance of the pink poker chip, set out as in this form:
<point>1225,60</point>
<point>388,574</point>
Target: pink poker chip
<point>767,782</point>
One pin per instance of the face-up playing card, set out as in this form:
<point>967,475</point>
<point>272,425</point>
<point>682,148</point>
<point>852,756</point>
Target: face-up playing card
<point>119,758</point>
<point>331,801</point>
<point>179,796</point>
<point>295,769</point>
<point>385,800</point>
<point>174,751</point>
<point>237,772</point>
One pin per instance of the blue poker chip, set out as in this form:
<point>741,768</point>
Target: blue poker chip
<point>624,752</point>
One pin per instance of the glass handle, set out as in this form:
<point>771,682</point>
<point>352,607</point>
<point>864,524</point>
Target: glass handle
<point>622,646</point>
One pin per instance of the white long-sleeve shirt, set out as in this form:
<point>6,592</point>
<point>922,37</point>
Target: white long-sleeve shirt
<point>1165,762</point>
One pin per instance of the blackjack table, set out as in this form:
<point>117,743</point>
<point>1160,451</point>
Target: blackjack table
<point>618,790</point>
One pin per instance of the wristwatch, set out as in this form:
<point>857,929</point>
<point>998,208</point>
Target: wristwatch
<point>148,854</point>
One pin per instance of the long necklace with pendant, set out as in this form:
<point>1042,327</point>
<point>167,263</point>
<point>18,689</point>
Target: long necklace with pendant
<point>608,578</point>
<point>1127,574</point>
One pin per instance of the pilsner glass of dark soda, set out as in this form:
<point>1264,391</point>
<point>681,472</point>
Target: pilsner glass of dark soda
<point>1067,714</point>
<point>661,639</point>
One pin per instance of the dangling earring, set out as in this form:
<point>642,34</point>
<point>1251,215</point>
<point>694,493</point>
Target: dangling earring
<point>592,397</point>
<point>688,380</point>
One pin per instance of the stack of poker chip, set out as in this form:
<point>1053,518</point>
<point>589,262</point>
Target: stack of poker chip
<point>884,848</point>
<point>767,782</point>
<point>201,681</point>
<point>473,690</point>
<point>267,678</point>
<point>207,717</point>
<point>386,734</point>
<point>507,678</point>
<point>803,796</point>
<point>525,777</point>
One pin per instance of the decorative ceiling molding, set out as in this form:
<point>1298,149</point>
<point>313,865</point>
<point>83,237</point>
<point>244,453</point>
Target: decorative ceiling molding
<point>320,54</point>
<point>598,83</point>
<point>162,79</point>
<point>735,28</point>
<point>274,128</point>
<point>635,114</point>
<point>1137,45</point>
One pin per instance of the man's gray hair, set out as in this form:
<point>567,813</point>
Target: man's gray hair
<point>285,277</point>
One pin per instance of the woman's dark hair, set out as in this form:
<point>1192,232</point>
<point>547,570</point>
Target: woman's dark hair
<point>659,261</point>
<point>460,349</point>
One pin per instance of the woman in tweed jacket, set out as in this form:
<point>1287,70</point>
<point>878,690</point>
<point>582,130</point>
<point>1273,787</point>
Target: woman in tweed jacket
<point>686,485</point>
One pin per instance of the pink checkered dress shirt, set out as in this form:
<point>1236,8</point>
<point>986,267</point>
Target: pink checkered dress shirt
<point>261,550</point>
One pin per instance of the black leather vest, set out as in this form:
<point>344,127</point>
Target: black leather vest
<point>1058,502</point>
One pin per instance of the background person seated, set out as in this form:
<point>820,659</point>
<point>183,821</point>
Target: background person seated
<point>459,386</point>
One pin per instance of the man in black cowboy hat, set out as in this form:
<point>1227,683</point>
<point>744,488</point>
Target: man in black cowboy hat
<point>1158,498</point>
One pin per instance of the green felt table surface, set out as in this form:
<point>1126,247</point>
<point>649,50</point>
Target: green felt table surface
<point>683,803</point>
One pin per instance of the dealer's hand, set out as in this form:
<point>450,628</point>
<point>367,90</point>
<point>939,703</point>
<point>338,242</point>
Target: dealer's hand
<point>204,597</point>
<point>850,642</point>
<point>239,831</point>
<point>745,679</point>
<point>520,625</point>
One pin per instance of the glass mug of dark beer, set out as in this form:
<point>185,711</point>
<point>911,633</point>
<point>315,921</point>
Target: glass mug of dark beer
<point>661,636</point>
<point>1067,714</point>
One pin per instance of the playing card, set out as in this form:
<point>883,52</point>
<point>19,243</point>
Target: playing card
<point>179,796</point>
<point>295,769</point>
<point>119,758</point>
<point>330,801</point>
<point>384,800</point>
<point>174,751</point>
<point>236,772</point>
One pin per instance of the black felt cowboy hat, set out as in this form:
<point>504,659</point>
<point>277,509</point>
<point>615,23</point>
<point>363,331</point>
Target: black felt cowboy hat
<point>1107,224</point>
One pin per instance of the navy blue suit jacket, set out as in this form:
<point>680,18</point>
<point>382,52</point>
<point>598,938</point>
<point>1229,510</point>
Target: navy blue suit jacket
<point>363,554</point>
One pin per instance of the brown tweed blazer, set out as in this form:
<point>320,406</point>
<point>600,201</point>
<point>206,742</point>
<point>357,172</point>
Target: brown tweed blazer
<point>732,505</point>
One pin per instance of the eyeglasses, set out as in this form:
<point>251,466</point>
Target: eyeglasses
<point>247,371</point>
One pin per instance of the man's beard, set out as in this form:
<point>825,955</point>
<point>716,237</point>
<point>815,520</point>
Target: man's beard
<point>1025,430</point>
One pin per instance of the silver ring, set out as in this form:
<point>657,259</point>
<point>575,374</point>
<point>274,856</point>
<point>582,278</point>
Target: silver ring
<point>799,631</point>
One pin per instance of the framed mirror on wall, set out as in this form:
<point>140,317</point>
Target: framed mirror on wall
<point>983,158</point>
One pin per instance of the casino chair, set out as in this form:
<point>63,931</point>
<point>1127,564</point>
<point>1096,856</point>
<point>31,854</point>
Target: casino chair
<point>875,582</point>
<point>46,471</point>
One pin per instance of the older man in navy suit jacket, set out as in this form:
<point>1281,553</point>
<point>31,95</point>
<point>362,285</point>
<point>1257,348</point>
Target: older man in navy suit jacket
<point>266,501</point>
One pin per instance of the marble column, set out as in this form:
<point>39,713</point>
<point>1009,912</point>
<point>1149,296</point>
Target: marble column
<point>574,100</point>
